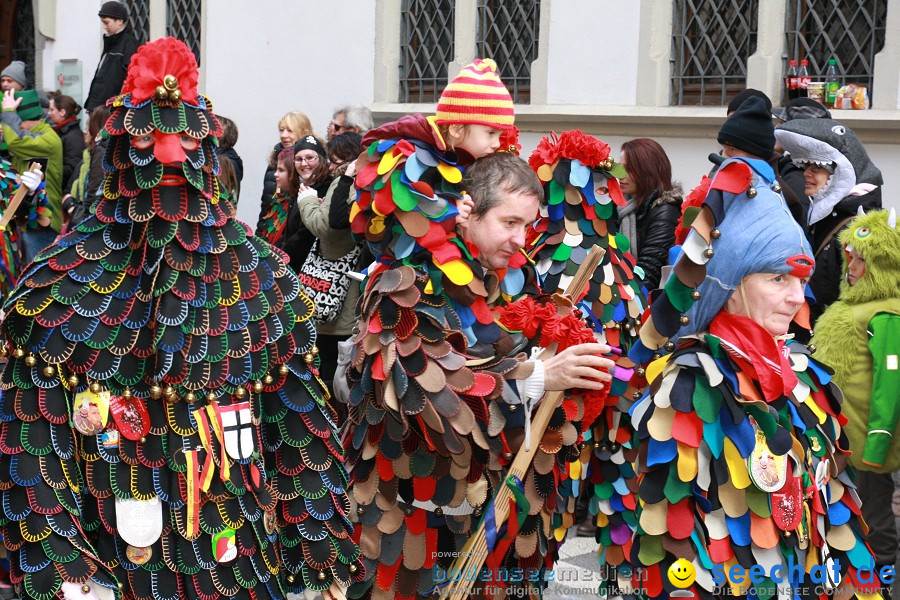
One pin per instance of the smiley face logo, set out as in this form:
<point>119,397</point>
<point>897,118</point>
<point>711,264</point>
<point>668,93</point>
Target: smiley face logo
<point>682,573</point>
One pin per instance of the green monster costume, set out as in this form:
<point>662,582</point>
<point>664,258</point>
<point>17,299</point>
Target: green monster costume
<point>859,337</point>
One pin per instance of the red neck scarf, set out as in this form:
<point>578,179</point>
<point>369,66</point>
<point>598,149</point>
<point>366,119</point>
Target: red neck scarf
<point>63,123</point>
<point>758,354</point>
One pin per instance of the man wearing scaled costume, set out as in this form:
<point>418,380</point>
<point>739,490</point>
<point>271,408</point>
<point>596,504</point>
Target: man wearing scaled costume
<point>579,211</point>
<point>164,432</point>
<point>743,459</point>
<point>441,393</point>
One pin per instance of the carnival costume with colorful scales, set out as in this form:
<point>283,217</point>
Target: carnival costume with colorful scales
<point>742,459</point>
<point>579,212</point>
<point>434,408</point>
<point>164,434</point>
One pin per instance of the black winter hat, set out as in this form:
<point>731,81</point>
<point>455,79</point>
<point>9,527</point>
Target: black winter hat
<point>750,129</point>
<point>113,10</point>
<point>743,95</point>
<point>310,142</point>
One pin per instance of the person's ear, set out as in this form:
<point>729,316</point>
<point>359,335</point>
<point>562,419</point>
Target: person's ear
<point>456,132</point>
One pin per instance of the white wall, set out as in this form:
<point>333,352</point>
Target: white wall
<point>303,55</point>
<point>79,35</point>
<point>593,52</point>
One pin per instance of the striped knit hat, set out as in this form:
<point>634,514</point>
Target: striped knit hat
<point>477,96</point>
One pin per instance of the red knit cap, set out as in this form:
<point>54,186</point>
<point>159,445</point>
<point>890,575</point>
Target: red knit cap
<point>477,96</point>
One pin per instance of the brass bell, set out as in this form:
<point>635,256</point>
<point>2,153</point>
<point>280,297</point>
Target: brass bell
<point>94,387</point>
<point>360,510</point>
<point>168,391</point>
<point>175,95</point>
<point>49,371</point>
<point>126,394</point>
<point>190,397</point>
<point>143,440</point>
<point>240,392</point>
<point>74,381</point>
<point>513,408</point>
<point>684,319</point>
<point>18,353</point>
<point>121,585</point>
<point>290,578</point>
<point>211,397</point>
<point>596,444</point>
<point>283,370</point>
<point>171,82</point>
<point>477,512</point>
<point>507,455</point>
<point>709,252</point>
<point>161,93</point>
<point>309,358</point>
<point>30,360</point>
<point>655,356</point>
<point>3,351</point>
<point>695,295</point>
<point>439,511</point>
<point>314,350</point>
<point>811,348</point>
<point>85,589</point>
<point>636,395</point>
<point>352,568</point>
<point>155,391</point>
<point>640,371</point>
<point>751,193</point>
<point>257,387</point>
<point>321,576</point>
<point>268,379</point>
<point>776,188</point>
<point>715,234</point>
<point>670,346</point>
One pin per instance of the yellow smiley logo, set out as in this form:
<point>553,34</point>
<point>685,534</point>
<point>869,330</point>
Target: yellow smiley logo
<point>682,573</point>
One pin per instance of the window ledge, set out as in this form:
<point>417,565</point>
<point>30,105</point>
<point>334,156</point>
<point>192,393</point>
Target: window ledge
<point>871,126</point>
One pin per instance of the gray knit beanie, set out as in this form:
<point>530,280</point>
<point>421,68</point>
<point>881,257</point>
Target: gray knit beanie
<point>16,70</point>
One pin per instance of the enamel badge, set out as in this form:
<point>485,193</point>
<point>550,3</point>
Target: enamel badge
<point>237,430</point>
<point>140,523</point>
<point>767,471</point>
<point>91,411</point>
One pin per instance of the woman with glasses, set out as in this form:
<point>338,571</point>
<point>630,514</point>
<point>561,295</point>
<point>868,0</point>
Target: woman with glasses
<point>311,165</point>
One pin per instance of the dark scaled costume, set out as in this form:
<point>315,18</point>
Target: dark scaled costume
<point>164,433</point>
<point>581,194</point>
<point>742,457</point>
<point>434,410</point>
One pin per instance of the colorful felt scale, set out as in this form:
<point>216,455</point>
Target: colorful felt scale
<point>578,212</point>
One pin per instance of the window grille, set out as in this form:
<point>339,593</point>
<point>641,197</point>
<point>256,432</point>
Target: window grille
<point>508,32</point>
<point>183,23</point>
<point>139,19</point>
<point>23,38</point>
<point>426,47</point>
<point>711,41</point>
<point>850,31</point>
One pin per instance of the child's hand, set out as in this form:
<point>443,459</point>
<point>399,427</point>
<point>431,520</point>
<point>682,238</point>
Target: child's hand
<point>10,102</point>
<point>464,206</point>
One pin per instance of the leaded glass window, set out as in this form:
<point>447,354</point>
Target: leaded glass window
<point>711,42</point>
<point>426,47</point>
<point>183,23</point>
<point>508,33</point>
<point>850,31</point>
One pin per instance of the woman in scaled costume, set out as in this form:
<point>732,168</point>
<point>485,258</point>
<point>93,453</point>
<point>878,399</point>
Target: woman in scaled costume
<point>164,433</point>
<point>742,458</point>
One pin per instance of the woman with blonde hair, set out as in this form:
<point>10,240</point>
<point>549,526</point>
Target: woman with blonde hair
<point>292,126</point>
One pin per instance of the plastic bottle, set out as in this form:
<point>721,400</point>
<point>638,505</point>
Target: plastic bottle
<point>803,78</point>
<point>791,84</point>
<point>832,83</point>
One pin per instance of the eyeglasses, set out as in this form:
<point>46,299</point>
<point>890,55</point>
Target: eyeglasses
<point>336,126</point>
<point>310,160</point>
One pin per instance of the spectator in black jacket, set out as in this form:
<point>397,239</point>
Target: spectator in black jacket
<point>63,114</point>
<point>649,218</point>
<point>118,46</point>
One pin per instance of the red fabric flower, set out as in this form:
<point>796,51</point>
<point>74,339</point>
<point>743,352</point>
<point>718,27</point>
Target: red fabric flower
<point>573,144</point>
<point>155,60</point>
<point>509,141</point>
<point>694,199</point>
